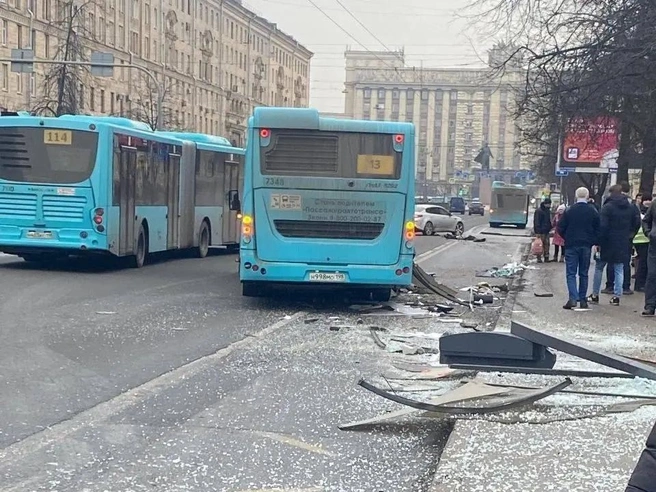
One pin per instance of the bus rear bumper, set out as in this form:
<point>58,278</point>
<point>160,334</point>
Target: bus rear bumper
<point>342,275</point>
<point>17,240</point>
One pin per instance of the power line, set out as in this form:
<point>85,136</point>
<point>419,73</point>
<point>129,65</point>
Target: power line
<point>361,24</point>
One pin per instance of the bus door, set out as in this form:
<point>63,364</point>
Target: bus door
<point>172,201</point>
<point>232,205</point>
<point>127,192</point>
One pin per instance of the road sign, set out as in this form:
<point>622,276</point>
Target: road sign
<point>452,180</point>
<point>562,173</point>
<point>22,60</point>
<point>100,58</point>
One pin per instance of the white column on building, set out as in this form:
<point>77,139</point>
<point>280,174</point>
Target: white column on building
<point>403,98</point>
<point>446,103</point>
<point>430,132</point>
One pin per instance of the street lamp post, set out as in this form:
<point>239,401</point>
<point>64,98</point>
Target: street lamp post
<point>102,65</point>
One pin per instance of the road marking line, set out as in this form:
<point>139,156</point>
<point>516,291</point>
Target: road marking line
<point>117,404</point>
<point>291,441</point>
<point>443,247</point>
<point>312,489</point>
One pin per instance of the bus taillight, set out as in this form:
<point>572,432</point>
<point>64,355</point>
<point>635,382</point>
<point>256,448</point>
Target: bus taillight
<point>265,133</point>
<point>398,139</point>
<point>98,216</point>
<point>247,228</point>
<point>410,230</point>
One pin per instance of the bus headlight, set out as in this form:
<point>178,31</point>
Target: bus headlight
<point>409,230</point>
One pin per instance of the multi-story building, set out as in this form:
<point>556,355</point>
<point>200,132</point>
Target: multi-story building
<point>214,60</point>
<point>455,111</point>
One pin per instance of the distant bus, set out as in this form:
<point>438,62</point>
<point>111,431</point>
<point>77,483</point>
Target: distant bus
<point>509,205</point>
<point>327,201</point>
<point>83,185</point>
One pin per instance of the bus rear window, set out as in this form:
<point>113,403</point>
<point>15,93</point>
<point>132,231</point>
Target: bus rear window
<point>331,154</point>
<point>47,155</point>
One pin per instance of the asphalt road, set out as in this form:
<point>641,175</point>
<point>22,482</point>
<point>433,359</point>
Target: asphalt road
<point>99,391</point>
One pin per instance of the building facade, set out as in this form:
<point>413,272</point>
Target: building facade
<point>455,111</point>
<point>214,60</point>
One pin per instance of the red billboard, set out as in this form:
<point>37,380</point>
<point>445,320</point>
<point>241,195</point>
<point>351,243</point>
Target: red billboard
<point>591,143</point>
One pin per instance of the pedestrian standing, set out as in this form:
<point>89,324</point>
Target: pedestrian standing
<point>641,245</point>
<point>558,240</point>
<point>649,229</point>
<point>620,221</point>
<point>579,227</point>
<point>542,227</point>
<point>610,274</point>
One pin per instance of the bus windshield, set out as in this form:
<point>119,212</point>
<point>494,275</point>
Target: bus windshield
<point>331,154</point>
<point>46,155</point>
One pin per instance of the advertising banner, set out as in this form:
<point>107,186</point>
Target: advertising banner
<point>590,145</point>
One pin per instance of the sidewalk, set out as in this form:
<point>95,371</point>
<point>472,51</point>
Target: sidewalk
<point>589,454</point>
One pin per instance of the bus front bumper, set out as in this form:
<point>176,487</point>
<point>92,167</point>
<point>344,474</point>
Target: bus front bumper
<point>16,240</point>
<point>252,269</point>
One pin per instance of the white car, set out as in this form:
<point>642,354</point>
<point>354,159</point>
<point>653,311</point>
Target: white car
<point>430,219</point>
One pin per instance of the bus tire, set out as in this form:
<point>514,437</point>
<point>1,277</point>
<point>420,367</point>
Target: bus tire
<point>495,225</point>
<point>139,259</point>
<point>251,289</point>
<point>203,240</point>
<point>381,295</point>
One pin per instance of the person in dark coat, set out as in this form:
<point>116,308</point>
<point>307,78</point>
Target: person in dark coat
<point>610,274</point>
<point>649,228</point>
<point>620,221</point>
<point>579,226</point>
<point>542,227</point>
<point>643,478</point>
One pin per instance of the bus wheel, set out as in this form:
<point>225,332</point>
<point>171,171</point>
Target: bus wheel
<point>381,295</point>
<point>521,226</point>
<point>139,259</point>
<point>495,225</point>
<point>250,289</point>
<point>428,229</point>
<point>203,240</point>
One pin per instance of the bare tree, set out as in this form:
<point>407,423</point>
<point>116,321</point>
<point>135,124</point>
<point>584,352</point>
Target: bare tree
<point>144,103</point>
<point>62,85</point>
<point>583,58</point>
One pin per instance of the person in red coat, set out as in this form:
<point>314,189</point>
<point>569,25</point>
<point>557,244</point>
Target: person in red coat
<point>558,240</point>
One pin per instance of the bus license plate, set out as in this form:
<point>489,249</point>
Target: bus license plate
<point>39,235</point>
<point>327,277</point>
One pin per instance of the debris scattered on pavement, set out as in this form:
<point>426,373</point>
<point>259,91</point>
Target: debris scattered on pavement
<point>543,294</point>
<point>106,312</point>
<point>311,320</point>
<point>475,239</point>
<point>508,270</point>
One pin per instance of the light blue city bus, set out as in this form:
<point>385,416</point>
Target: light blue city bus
<point>327,202</point>
<point>509,205</point>
<point>87,185</point>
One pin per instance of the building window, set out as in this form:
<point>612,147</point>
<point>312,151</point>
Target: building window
<point>20,36</point>
<point>102,100</point>
<point>5,77</point>
<point>32,83</point>
<point>19,83</point>
<point>3,34</point>
<point>381,93</point>
<point>367,93</point>
<point>92,99</point>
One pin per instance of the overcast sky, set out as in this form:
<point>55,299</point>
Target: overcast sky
<point>430,31</point>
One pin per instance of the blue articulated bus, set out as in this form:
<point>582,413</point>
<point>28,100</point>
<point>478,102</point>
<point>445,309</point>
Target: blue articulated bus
<point>327,201</point>
<point>81,185</point>
<point>509,205</point>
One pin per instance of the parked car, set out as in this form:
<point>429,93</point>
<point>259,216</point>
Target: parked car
<point>457,205</point>
<point>476,208</point>
<point>430,219</point>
